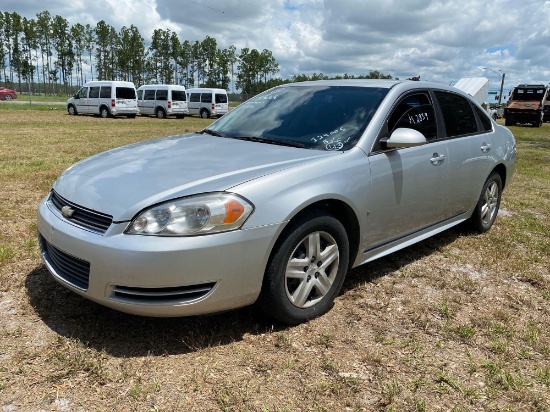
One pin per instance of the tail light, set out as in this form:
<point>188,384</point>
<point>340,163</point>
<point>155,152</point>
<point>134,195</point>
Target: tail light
<point>169,105</point>
<point>112,102</point>
<point>213,106</point>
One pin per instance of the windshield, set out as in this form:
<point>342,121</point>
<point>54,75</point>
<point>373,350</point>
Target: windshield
<point>316,117</point>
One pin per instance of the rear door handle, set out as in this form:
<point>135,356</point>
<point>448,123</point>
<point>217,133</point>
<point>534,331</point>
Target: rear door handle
<point>485,147</point>
<point>437,159</point>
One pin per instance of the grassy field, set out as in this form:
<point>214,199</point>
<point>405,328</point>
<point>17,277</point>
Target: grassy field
<point>459,322</point>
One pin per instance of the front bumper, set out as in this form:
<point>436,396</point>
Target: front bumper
<point>156,276</point>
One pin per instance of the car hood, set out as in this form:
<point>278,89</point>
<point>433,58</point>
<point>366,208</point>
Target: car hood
<point>123,181</point>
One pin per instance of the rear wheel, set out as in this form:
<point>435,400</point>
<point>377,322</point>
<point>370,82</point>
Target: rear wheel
<point>161,114</point>
<point>205,114</point>
<point>104,112</point>
<point>306,270</point>
<point>488,204</point>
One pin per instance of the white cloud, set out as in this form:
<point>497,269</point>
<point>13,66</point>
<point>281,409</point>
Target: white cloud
<point>441,40</point>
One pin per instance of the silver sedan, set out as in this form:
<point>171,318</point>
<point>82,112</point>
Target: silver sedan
<point>274,202</point>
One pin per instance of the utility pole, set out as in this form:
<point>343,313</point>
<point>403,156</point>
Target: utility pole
<point>501,88</point>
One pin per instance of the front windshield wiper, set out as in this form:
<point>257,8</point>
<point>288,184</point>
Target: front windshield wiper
<point>212,132</point>
<point>270,141</point>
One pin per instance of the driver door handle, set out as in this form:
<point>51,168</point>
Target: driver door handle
<point>437,159</point>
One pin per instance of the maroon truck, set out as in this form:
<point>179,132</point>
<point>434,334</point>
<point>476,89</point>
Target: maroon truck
<point>526,105</point>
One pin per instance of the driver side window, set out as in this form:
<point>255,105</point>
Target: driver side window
<point>83,93</point>
<point>414,112</point>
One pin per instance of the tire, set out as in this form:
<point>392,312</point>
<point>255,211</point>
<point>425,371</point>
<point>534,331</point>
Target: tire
<point>161,114</point>
<point>72,110</point>
<point>104,112</point>
<point>306,269</point>
<point>205,114</point>
<point>486,209</point>
<point>8,97</point>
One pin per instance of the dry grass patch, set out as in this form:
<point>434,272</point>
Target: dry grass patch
<point>459,322</point>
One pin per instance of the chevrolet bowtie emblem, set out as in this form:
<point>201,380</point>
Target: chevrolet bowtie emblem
<point>67,211</point>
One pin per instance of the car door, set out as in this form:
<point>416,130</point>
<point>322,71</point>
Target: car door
<point>194,102</point>
<point>469,141</point>
<point>409,185</point>
<point>93,100</point>
<point>148,104</point>
<point>81,100</point>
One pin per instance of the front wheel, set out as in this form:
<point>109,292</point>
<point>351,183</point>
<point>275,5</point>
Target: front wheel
<point>306,270</point>
<point>8,97</point>
<point>72,110</point>
<point>488,204</point>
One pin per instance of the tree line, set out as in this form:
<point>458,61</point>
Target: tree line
<point>54,56</point>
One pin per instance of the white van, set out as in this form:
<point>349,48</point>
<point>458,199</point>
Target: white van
<point>106,98</point>
<point>162,100</point>
<point>207,102</point>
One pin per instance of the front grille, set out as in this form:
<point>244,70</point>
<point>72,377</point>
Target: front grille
<point>82,216</point>
<point>171,295</point>
<point>72,269</point>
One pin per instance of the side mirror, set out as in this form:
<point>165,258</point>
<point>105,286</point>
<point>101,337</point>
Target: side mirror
<point>404,137</point>
<point>76,96</point>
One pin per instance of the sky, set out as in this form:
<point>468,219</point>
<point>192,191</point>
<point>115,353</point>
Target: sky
<point>440,41</point>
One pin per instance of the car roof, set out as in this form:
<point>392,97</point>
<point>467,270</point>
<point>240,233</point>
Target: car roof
<point>400,85</point>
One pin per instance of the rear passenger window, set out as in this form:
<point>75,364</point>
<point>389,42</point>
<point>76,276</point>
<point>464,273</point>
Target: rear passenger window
<point>195,98</point>
<point>125,93</point>
<point>206,97</point>
<point>485,121</point>
<point>105,92</point>
<point>221,98</point>
<point>162,94</point>
<point>457,113</point>
<point>149,95</point>
<point>94,92</point>
<point>178,96</point>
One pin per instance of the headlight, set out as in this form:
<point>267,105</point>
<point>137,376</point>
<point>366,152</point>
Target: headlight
<point>197,215</point>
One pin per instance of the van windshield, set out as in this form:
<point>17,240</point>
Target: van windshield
<point>178,96</point>
<point>315,117</point>
<point>125,93</point>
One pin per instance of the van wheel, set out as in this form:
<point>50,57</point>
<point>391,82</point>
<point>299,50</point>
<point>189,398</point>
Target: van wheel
<point>205,114</point>
<point>72,110</point>
<point>104,112</point>
<point>161,114</point>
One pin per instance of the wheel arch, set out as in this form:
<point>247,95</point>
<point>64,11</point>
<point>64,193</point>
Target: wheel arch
<point>336,208</point>
<point>501,170</point>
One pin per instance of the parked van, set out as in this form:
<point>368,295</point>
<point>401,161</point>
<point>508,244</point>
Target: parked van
<point>207,102</point>
<point>162,100</point>
<point>106,98</point>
